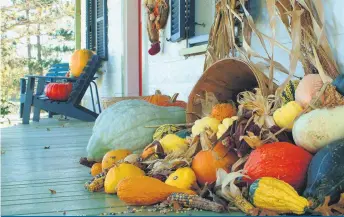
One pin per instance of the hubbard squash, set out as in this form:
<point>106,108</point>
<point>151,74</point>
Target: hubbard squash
<point>78,61</point>
<point>205,163</point>
<point>318,128</point>
<point>281,160</point>
<point>144,190</point>
<point>122,126</point>
<point>277,195</point>
<point>326,174</point>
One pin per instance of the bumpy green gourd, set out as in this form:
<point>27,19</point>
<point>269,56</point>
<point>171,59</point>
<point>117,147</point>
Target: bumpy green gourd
<point>122,126</point>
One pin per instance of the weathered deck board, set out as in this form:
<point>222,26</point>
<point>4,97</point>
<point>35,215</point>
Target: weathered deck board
<point>28,171</point>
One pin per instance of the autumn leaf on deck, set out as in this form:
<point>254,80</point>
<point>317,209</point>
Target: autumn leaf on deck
<point>52,191</point>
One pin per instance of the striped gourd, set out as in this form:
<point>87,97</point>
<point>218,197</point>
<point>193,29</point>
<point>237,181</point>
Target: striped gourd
<point>288,93</point>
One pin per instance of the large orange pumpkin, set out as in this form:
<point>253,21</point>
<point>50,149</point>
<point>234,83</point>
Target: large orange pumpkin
<point>205,163</point>
<point>157,98</point>
<point>78,61</point>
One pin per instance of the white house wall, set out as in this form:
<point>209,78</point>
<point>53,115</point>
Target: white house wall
<point>170,72</point>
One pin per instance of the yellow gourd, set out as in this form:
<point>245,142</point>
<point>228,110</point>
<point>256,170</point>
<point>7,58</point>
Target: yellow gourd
<point>172,142</point>
<point>117,174</point>
<point>277,195</point>
<point>112,157</point>
<point>204,123</point>
<point>96,169</point>
<point>284,117</point>
<point>226,123</point>
<point>183,178</point>
<point>78,61</point>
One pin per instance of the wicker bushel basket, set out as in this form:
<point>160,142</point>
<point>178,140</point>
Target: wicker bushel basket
<point>225,78</point>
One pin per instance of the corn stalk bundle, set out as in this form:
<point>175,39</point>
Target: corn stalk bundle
<point>221,38</point>
<point>316,56</point>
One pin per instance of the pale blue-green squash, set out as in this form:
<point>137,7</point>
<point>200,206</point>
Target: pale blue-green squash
<point>122,126</point>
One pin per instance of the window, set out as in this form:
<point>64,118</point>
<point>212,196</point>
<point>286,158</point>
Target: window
<point>96,27</point>
<point>192,20</point>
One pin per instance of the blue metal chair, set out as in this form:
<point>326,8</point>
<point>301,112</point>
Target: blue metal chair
<point>71,107</point>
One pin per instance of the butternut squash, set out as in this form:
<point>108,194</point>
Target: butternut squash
<point>144,190</point>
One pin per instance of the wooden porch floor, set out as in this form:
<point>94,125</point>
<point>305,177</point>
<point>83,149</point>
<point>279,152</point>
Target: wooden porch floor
<point>28,171</point>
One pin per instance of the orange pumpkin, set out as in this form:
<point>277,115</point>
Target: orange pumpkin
<point>174,102</point>
<point>157,98</point>
<point>78,61</point>
<point>205,163</point>
<point>223,110</point>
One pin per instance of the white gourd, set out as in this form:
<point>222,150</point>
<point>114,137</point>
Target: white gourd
<point>318,128</point>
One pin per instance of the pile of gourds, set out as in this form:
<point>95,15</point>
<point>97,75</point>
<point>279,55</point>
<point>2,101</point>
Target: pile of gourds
<point>260,155</point>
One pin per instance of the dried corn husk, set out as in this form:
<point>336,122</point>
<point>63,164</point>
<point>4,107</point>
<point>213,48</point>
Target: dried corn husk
<point>313,44</point>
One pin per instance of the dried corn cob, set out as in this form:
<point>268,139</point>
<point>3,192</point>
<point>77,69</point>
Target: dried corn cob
<point>194,201</point>
<point>96,183</point>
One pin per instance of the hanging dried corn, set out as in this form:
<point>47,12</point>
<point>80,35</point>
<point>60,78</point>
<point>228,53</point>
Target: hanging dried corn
<point>157,15</point>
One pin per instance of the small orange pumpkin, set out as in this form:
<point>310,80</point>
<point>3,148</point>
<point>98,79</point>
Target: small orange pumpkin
<point>223,110</point>
<point>96,169</point>
<point>157,98</point>
<point>174,102</point>
<point>205,163</point>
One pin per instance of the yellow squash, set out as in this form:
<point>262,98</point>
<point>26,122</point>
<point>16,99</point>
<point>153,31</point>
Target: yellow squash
<point>277,195</point>
<point>284,117</point>
<point>223,127</point>
<point>183,178</point>
<point>112,157</point>
<point>78,61</point>
<point>172,142</point>
<point>204,123</point>
<point>117,174</point>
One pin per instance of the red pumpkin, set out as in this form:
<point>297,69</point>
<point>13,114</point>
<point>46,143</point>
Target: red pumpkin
<point>173,102</point>
<point>281,160</point>
<point>58,91</point>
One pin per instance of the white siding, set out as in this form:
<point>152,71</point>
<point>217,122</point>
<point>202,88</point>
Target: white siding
<point>171,73</point>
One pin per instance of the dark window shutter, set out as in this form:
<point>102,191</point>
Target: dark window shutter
<point>177,20</point>
<point>191,17</point>
<point>90,25</point>
<point>101,25</point>
<point>182,19</point>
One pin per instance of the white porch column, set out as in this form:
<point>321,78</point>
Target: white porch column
<point>131,47</point>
